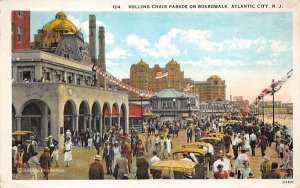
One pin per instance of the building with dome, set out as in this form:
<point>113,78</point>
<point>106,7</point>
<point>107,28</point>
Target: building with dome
<point>142,76</point>
<point>55,89</point>
<point>49,36</point>
<point>211,89</point>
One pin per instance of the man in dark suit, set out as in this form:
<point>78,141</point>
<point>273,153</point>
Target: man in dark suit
<point>108,156</point>
<point>28,149</point>
<point>96,169</point>
<point>52,143</point>
<point>189,134</point>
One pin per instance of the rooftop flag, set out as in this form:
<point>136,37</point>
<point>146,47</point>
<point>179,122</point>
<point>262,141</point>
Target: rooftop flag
<point>188,87</point>
<point>160,74</point>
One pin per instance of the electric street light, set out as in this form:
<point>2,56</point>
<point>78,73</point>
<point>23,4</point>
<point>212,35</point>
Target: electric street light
<point>141,95</point>
<point>189,105</point>
<point>275,87</point>
<point>174,108</point>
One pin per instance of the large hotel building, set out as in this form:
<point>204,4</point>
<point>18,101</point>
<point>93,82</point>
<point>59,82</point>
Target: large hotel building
<point>144,77</point>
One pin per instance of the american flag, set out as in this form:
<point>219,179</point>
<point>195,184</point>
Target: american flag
<point>160,74</point>
<point>188,87</point>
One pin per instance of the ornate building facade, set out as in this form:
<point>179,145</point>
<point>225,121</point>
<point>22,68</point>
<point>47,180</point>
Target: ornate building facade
<point>211,89</point>
<point>49,36</point>
<point>144,77</point>
<point>54,87</point>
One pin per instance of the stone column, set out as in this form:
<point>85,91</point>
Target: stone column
<point>75,79</point>
<point>95,122</point>
<point>90,121</point>
<point>45,127</point>
<point>84,121</point>
<point>19,123</point>
<point>110,121</point>
<point>75,121</point>
<point>119,120</point>
<point>101,128</point>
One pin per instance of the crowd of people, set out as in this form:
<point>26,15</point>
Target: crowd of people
<point>119,150</point>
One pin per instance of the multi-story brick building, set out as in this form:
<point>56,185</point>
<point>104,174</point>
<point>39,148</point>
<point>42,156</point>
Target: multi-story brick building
<point>20,29</point>
<point>211,89</point>
<point>144,77</point>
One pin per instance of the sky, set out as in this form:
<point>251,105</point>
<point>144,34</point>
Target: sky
<point>247,50</point>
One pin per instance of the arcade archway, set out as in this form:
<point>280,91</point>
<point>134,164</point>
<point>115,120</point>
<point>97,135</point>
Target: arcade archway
<point>36,117</point>
<point>69,116</point>
<point>96,114</point>
<point>106,116</point>
<point>83,116</point>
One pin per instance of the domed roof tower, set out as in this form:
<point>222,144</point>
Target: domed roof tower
<point>61,23</point>
<point>49,36</point>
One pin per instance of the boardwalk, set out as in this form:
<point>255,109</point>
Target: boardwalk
<point>83,157</point>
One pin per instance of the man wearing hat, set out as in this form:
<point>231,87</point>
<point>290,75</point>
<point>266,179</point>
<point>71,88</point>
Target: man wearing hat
<point>186,157</point>
<point>219,161</point>
<point>97,142</point>
<point>121,167</point>
<point>273,173</point>
<point>265,166</point>
<point>51,143</point>
<point>28,149</point>
<point>189,134</point>
<point>108,156</point>
<point>96,169</point>
<point>45,162</point>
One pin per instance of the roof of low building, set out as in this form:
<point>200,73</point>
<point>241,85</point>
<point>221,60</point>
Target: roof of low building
<point>169,93</point>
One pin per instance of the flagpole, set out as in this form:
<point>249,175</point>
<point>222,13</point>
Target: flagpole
<point>169,79</point>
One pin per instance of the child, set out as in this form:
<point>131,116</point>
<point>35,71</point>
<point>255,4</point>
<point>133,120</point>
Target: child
<point>55,155</point>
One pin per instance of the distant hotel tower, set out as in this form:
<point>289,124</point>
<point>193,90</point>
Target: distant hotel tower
<point>143,77</point>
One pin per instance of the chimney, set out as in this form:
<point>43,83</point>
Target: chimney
<point>101,58</point>
<point>92,37</point>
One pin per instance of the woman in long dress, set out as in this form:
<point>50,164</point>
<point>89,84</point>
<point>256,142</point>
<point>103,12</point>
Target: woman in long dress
<point>117,153</point>
<point>68,151</point>
<point>168,145</point>
<point>247,141</point>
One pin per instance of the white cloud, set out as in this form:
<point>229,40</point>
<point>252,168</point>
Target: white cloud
<point>261,44</point>
<point>84,28</point>
<point>109,38</point>
<point>118,53</point>
<point>278,47</point>
<point>213,62</point>
<point>163,48</point>
<point>237,43</point>
<point>220,62</point>
<point>265,62</point>
<point>137,42</point>
<point>199,37</point>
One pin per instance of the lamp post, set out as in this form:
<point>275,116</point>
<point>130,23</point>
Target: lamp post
<point>189,105</point>
<point>263,110</point>
<point>275,87</point>
<point>142,124</point>
<point>174,108</point>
